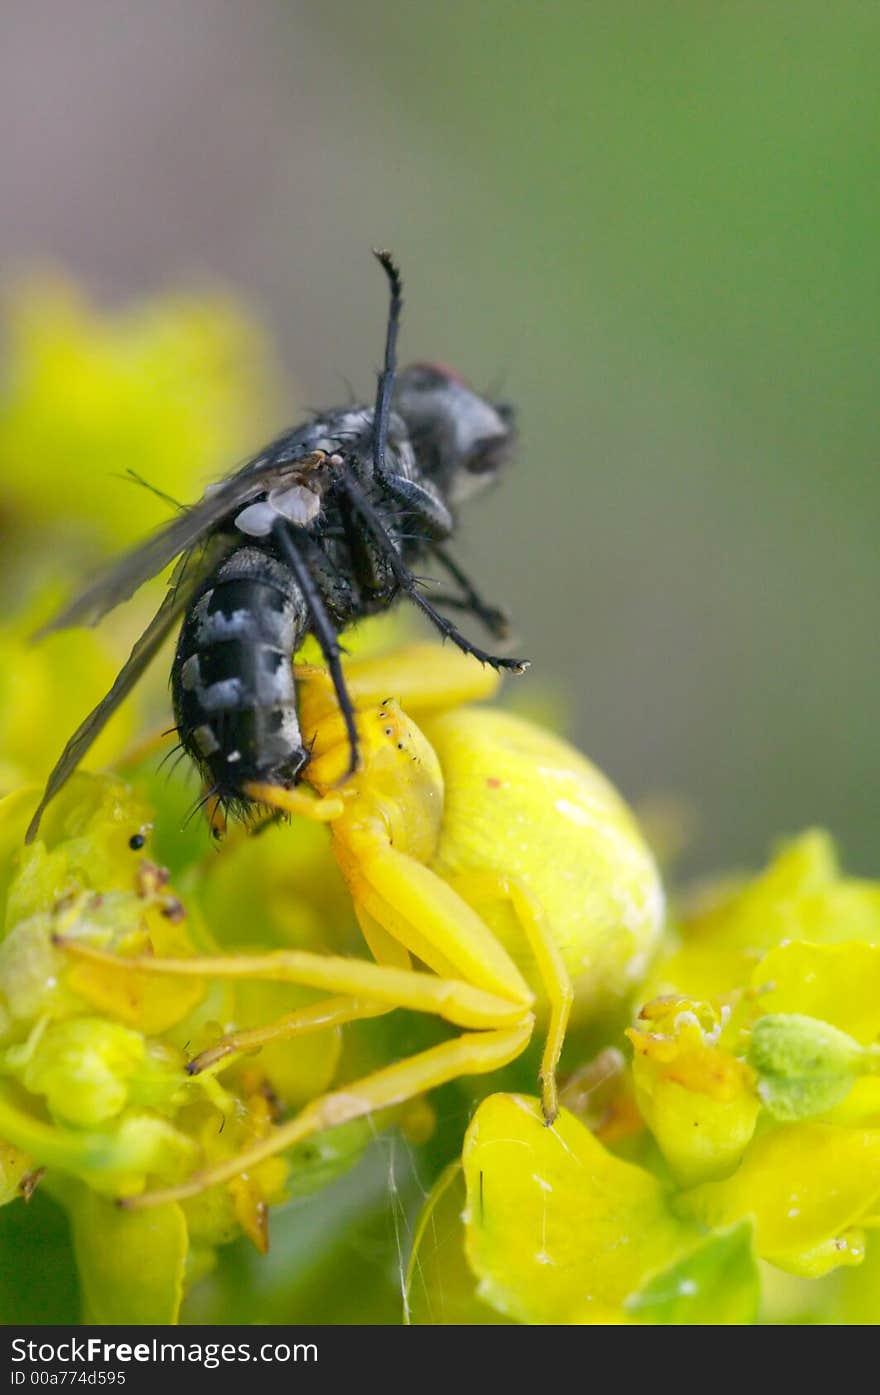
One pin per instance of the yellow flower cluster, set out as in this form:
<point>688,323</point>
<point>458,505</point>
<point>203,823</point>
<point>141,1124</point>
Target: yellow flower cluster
<point>93,1095</point>
<point>760,1106</point>
<point>170,390</point>
<point>719,1156</point>
<point>102,414</point>
<point>92,1053</point>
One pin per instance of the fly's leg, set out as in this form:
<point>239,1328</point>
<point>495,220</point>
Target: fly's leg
<point>407,581</point>
<point>386,377</point>
<point>421,503</point>
<point>424,678</point>
<point>324,630</point>
<point>496,620</point>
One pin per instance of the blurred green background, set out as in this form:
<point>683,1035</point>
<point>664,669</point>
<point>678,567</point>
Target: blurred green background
<point>653,226</point>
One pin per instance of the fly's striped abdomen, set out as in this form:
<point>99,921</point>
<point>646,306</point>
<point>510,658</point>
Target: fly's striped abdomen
<point>232,679</point>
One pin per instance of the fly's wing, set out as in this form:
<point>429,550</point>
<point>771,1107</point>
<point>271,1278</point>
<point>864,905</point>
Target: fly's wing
<point>285,458</point>
<point>193,570</point>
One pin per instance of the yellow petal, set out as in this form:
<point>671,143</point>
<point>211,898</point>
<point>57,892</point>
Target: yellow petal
<point>805,1184</point>
<point>558,1229</point>
<point>839,984</point>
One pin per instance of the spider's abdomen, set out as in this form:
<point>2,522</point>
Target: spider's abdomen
<point>232,678</point>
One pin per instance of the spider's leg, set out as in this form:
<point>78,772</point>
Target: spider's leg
<point>456,1000</point>
<point>328,1012</point>
<point>317,1017</point>
<point>473,1053</point>
<point>324,631</point>
<point>407,582</point>
<point>476,887</point>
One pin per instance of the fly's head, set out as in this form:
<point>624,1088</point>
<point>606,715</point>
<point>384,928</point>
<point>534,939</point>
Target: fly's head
<point>461,441</point>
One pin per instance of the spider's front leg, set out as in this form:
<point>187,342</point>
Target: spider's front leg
<point>474,1053</point>
<point>369,988</point>
<point>478,888</point>
<point>420,911</point>
<point>490,996</point>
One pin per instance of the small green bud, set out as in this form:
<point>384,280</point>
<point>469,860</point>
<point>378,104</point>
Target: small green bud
<point>804,1067</point>
<point>82,1065</point>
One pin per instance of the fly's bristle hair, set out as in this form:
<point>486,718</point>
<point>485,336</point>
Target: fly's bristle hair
<point>256,818</point>
<point>199,804</point>
<point>132,477</point>
<point>230,803</point>
<point>176,750</point>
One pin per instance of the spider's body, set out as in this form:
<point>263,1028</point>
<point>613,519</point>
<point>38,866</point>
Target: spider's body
<point>497,877</point>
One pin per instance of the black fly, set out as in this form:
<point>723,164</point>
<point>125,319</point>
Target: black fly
<point>318,530</point>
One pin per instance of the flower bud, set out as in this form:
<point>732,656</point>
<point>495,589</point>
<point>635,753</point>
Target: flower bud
<point>804,1067</point>
<point>82,1066</point>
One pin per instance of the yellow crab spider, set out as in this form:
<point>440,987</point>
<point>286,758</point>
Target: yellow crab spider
<point>476,843</point>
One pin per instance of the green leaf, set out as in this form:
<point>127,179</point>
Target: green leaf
<point>717,1284</point>
<point>441,1288</point>
<point>38,1280</point>
<point>130,1262</point>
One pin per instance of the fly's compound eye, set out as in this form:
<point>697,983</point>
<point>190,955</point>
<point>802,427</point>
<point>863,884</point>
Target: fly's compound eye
<point>488,455</point>
<point>427,377</point>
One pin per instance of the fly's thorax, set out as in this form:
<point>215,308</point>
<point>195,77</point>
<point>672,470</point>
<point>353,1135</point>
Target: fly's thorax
<point>461,440</point>
<point>303,494</point>
<point>396,795</point>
